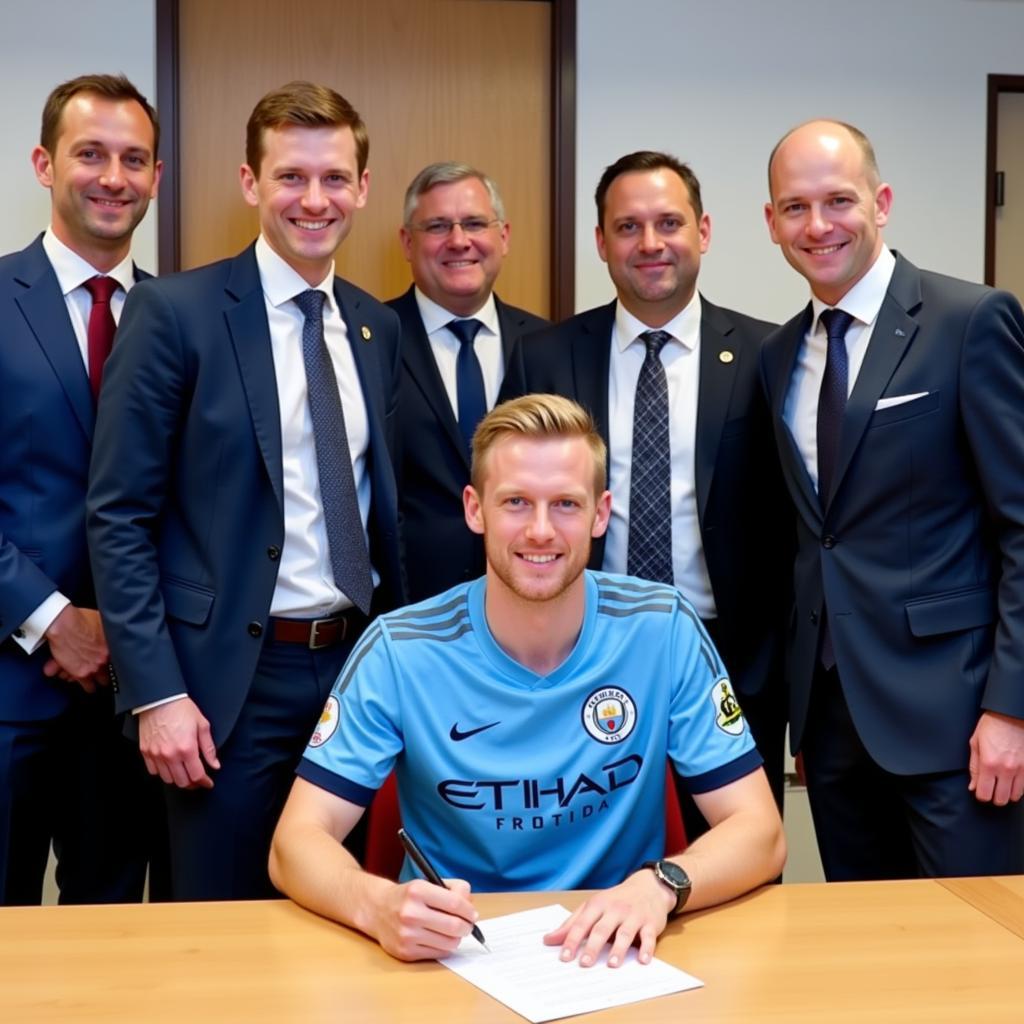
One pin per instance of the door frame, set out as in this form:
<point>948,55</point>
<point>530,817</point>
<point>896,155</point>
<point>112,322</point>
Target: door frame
<point>997,85</point>
<point>563,149</point>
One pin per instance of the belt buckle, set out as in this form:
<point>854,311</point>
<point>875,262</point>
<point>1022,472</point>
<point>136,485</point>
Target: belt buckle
<point>314,641</point>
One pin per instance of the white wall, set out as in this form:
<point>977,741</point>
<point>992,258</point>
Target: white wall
<point>718,82</point>
<point>46,42</point>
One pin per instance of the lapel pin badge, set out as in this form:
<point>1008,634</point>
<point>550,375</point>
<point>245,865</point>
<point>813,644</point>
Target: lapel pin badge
<point>725,356</point>
<point>365,332</point>
<point>900,333</point>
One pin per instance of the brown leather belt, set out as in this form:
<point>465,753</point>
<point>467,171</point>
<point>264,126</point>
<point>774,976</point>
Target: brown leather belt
<point>318,633</point>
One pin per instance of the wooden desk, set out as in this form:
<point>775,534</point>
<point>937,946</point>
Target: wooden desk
<point>866,953</point>
<point>1001,898</point>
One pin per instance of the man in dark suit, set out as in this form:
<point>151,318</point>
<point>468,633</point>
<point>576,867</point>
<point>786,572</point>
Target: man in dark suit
<point>242,506</point>
<point>455,237</point>
<point>715,522</point>
<point>898,404</point>
<point>67,775</point>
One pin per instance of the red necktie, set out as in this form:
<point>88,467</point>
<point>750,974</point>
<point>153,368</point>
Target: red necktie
<point>101,327</point>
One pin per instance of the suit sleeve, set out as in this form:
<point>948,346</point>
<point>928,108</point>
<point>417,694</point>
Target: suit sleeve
<point>137,428</point>
<point>23,587</point>
<point>992,409</point>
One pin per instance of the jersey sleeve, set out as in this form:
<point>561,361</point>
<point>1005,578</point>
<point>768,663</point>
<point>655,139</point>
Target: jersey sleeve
<point>709,740</point>
<point>359,735</point>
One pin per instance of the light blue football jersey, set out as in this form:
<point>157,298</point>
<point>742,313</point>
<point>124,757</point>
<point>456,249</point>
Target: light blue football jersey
<point>516,781</point>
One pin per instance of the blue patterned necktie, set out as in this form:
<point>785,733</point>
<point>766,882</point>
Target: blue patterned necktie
<point>469,379</point>
<point>345,536</point>
<point>650,504</point>
<point>831,406</point>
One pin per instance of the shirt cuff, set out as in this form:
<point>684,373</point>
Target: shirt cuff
<point>31,635</point>
<point>157,703</point>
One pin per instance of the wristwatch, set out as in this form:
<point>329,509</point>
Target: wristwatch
<point>672,875</point>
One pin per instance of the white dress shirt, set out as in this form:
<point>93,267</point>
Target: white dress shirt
<point>681,359</point>
<point>305,580</point>
<point>445,346</point>
<point>72,273</point>
<point>862,302</point>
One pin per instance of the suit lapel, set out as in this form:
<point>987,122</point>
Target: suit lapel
<point>246,317</point>
<point>805,495</point>
<point>43,307</point>
<point>717,377</point>
<point>591,363</point>
<point>364,353</point>
<point>511,327</point>
<point>893,332</point>
<point>422,367</point>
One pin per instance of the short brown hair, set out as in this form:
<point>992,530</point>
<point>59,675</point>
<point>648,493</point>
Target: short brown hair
<point>305,105</point>
<point>647,160</point>
<point>860,139</point>
<point>537,417</point>
<point>110,87</point>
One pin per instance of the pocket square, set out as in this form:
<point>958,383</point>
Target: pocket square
<point>888,403</point>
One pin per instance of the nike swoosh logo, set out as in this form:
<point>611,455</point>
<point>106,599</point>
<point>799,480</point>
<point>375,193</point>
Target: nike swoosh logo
<point>457,734</point>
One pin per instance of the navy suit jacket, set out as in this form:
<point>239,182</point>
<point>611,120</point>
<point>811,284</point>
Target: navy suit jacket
<point>440,549</point>
<point>745,521</point>
<point>185,507</point>
<point>46,419</point>
<point>918,551</point>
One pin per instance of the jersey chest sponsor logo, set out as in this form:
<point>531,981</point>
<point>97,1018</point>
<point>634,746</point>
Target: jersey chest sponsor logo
<point>609,714</point>
<point>531,794</point>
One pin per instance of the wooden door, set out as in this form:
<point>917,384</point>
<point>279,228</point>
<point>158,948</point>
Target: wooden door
<point>466,80</point>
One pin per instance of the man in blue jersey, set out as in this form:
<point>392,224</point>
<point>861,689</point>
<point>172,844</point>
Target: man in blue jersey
<point>528,716</point>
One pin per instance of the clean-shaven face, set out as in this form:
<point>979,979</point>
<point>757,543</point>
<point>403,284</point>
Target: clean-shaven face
<point>101,175</point>
<point>827,210</point>
<point>307,192</point>
<point>652,241</point>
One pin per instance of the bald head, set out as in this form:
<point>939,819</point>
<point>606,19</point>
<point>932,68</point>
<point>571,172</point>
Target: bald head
<point>830,135</point>
<point>828,206</point>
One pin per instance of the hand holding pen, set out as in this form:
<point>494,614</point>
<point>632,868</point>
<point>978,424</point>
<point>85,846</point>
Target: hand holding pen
<point>429,872</point>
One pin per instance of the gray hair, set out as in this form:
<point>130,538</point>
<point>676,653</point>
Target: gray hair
<point>447,172</point>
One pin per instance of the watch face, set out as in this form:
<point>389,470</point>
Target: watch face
<point>675,874</point>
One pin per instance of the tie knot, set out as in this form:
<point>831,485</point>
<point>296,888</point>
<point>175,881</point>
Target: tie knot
<point>101,288</point>
<point>311,303</point>
<point>465,330</point>
<point>837,322</point>
<point>655,341</point>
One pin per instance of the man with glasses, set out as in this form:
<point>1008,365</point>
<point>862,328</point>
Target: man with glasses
<point>457,336</point>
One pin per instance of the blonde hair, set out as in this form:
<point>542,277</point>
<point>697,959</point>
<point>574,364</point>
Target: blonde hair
<point>537,417</point>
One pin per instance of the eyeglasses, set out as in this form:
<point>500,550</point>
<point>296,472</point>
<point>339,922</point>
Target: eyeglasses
<point>442,228</point>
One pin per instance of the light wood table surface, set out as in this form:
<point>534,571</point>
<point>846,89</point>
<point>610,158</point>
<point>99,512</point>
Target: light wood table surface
<point>1001,898</point>
<point>866,953</point>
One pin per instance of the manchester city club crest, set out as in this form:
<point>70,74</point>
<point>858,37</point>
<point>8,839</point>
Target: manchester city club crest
<point>609,714</point>
<point>327,724</point>
<point>728,714</point>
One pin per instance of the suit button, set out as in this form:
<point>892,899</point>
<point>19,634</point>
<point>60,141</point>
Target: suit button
<point>273,552</point>
<point>828,541</point>
<point>814,618</point>
<point>255,629</point>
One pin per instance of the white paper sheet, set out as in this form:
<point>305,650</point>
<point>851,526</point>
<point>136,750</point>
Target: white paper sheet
<point>529,978</point>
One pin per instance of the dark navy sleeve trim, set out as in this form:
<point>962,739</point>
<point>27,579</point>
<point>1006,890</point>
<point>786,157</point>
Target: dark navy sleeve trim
<point>724,774</point>
<point>336,784</point>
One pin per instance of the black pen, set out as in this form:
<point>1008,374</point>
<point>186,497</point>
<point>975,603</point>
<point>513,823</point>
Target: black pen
<point>429,872</point>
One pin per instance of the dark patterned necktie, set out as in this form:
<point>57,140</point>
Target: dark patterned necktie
<point>345,537</point>
<point>469,379</point>
<point>831,406</point>
<point>101,328</point>
<point>650,503</point>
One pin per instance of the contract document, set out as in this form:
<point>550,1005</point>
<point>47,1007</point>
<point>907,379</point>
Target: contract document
<point>529,978</point>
